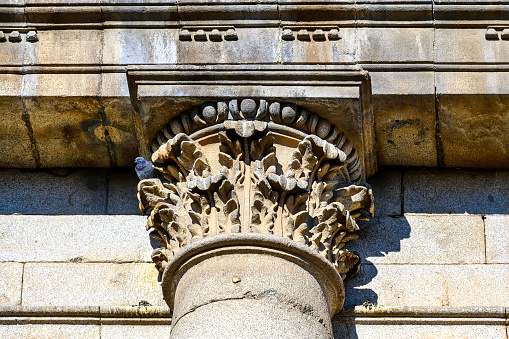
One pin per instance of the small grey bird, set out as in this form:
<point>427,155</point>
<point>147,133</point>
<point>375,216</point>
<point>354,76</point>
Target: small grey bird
<point>144,168</point>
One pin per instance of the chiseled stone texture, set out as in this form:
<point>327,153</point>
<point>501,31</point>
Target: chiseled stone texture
<point>76,238</point>
<point>497,239</point>
<point>450,191</point>
<point>50,331</point>
<point>88,284</point>
<point>54,192</point>
<point>421,239</point>
<point>429,285</point>
<point>10,283</point>
<point>135,331</point>
<point>386,184</point>
<point>419,331</point>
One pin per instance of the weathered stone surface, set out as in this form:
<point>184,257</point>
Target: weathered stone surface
<point>87,284</point>
<point>135,331</point>
<point>497,239</point>
<point>429,285</point>
<point>422,239</point>
<point>122,190</point>
<point>86,238</point>
<point>140,46</point>
<point>389,82</point>
<point>480,123</point>
<point>448,191</point>
<point>12,51</point>
<point>10,284</point>
<point>255,45</point>
<point>319,50</point>
<point>418,331</point>
<point>65,46</point>
<point>395,44</point>
<point>50,331</point>
<point>406,130</point>
<point>53,192</point>
<point>386,186</point>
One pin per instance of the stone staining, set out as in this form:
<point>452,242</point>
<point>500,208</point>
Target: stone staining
<point>208,33</point>
<point>253,166</point>
<point>309,33</point>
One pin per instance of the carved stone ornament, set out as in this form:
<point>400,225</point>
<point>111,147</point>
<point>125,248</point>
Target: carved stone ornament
<point>255,166</point>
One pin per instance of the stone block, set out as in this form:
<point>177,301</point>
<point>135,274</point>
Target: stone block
<point>315,50</point>
<point>479,83</point>
<point>65,46</point>
<point>406,130</point>
<point>449,191</point>
<point>122,191</point>
<point>408,83</point>
<point>135,331</point>
<point>468,45</point>
<point>497,239</point>
<point>395,44</point>
<point>253,45</point>
<point>418,331</point>
<point>473,130</point>
<point>61,85</point>
<point>386,186</point>
<point>429,285</point>
<point>10,284</point>
<point>88,284</point>
<point>77,238</point>
<point>50,331</point>
<point>57,192</point>
<point>140,46</point>
<point>421,239</point>
<point>12,51</point>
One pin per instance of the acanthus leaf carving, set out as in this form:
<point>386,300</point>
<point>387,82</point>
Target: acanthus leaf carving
<point>311,199</point>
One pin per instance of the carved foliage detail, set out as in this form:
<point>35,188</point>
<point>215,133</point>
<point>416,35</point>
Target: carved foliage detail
<point>310,199</point>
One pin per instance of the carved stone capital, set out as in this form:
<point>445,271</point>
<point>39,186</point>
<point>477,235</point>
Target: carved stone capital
<point>255,166</point>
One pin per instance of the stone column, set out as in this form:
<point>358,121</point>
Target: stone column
<point>253,202</point>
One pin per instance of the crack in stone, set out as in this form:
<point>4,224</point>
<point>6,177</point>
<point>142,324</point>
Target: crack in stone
<point>267,295</point>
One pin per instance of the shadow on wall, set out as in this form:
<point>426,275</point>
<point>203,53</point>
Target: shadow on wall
<point>69,192</point>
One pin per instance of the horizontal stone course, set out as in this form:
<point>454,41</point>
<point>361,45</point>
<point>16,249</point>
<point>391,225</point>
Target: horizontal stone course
<point>82,238</point>
<point>452,191</point>
<point>89,284</point>
<point>50,331</point>
<point>421,239</point>
<point>429,285</point>
<point>10,283</point>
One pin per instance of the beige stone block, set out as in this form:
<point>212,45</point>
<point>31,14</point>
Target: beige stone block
<point>386,186</point>
<point>77,238</point>
<point>12,51</point>
<point>55,192</point>
<point>10,283</point>
<point>135,331</point>
<point>50,331</point>
<point>496,83</point>
<point>140,46</point>
<point>88,284</point>
<point>497,239</point>
<point>422,239</point>
<point>480,123</point>
<point>395,44</point>
<point>406,130</point>
<point>317,51</point>
<point>419,331</point>
<point>402,83</point>
<point>69,132</point>
<point>65,46</point>
<point>454,45</point>
<point>61,85</point>
<point>430,285</point>
<point>451,191</point>
<point>254,45</point>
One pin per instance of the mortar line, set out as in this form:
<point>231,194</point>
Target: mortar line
<point>22,282</point>
<point>483,217</point>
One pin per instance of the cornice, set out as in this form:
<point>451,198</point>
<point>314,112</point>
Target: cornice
<point>90,14</point>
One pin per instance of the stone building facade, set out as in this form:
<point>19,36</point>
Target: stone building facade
<point>302,100</point>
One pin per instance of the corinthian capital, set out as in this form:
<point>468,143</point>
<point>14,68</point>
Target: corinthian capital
<point>253,166</point>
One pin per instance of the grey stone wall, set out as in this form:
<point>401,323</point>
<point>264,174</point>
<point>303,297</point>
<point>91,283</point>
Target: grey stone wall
<point>435,257</point>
